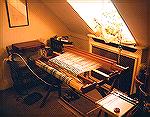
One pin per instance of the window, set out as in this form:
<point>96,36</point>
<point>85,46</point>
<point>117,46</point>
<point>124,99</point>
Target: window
<point>103,18</point>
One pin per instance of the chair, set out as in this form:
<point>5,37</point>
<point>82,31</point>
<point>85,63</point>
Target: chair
<point>23,78</point>
<point>140,80</point>
<point>144,88</point>
<point>18,73</point>
<point>145,91</point>
<point>137,84</point>
<point>144,94</point>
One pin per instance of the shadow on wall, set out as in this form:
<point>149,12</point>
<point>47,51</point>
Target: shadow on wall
<point>5,77</point>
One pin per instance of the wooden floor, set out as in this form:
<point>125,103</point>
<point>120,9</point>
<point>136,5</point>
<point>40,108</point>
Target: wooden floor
<point>10,107</point>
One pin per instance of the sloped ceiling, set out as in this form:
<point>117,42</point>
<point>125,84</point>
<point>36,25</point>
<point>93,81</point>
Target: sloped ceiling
<point>68,16</point>
<point>135,14</point>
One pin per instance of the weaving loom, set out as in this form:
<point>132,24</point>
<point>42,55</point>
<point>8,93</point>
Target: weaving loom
<point>74,63</point>
<point>76,68</point>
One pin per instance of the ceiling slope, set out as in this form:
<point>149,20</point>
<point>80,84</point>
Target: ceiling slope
<point>68,16</point>
<point>135,14</point>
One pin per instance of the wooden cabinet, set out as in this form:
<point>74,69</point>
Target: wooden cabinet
<point>131,57</point>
